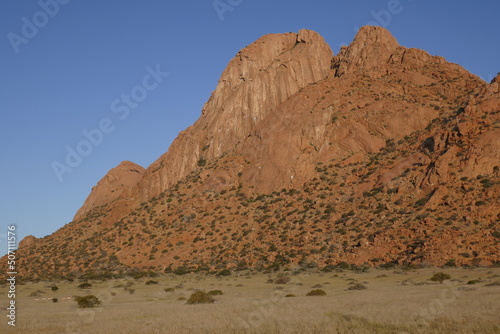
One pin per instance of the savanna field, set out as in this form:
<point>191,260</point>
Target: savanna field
<point>395,300</point>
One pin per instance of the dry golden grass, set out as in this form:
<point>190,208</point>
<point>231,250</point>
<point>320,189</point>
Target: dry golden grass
<point>395,302</point>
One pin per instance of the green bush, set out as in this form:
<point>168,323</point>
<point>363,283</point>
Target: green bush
<point>357,286</point>
<point>224,272</point>
<point>54,288</point>
<point>85,285</point>
<point>87,301</point>
<point>169,289</point>
<point>200,297</point>
<point>181,271</point>
<point>450,263</point>
<point>215,293</point>
<point>282,279</point>
<point>316,292</point>
<point>440,277</point>
<point>151,282</point>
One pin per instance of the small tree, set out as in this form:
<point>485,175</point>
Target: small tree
<point>440,277</point>
<point>87,301</point>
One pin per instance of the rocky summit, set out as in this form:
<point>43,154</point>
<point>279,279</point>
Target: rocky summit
<point>379,155</point>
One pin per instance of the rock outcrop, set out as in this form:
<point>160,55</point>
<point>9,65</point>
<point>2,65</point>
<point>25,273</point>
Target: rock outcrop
<point>111,186</point>
<point>27,241</point>
<point>258,79</point>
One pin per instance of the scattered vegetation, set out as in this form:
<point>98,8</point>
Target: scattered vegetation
<point>357,286</point>
<point>200,297</point>
<point>440,277</point>
<point>88,301</point>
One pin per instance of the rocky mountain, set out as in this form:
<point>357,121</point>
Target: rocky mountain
<point>378,155</point>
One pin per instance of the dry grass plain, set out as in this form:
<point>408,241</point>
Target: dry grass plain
<point>395,301</point>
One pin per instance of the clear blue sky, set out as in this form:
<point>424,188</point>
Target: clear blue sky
<point>63,78</point>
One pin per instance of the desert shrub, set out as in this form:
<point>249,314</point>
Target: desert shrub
<point>202,162</point>
<point>282,279</point>
<point>36,293</point>
<point>472,282</point>
<point>181,298</point>
<point>85,285</point>
<point>290,295</point>
<point>357,286</point>
<point>496,283</point>
<point>55,300</point>
<point>131,291</point>
<point>224,272</point>
<point>450,263</point>
<point>169,289</point>
<point>343,265</point>
<point>54,288</point>
<point>181,271</point>
<point>316,292</point>
<point>215,293</point>
<point>440,277</point>
<point>329,268</point>
<point>151,282</point>
<point>200,297</point>
<point>87,301</point>
<point>137,274</point>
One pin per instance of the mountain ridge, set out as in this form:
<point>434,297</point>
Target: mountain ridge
<point>380,154</point>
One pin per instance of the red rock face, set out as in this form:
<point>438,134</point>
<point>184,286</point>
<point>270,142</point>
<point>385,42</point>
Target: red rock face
<point>258,79</point>
<point>379,154</point>
<point>27,241</point>
<point>111,186</point>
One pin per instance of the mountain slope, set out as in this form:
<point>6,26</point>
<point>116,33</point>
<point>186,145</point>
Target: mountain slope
<point>380,154</point>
